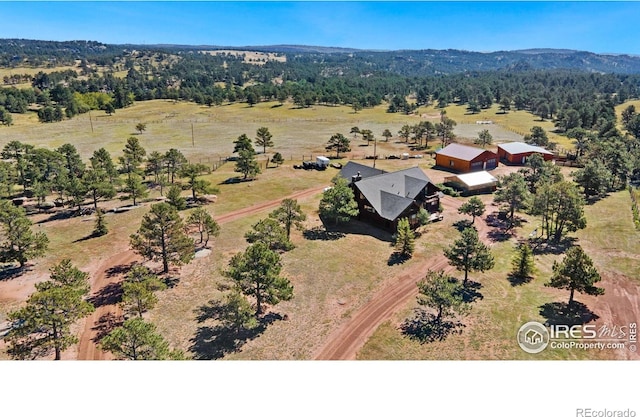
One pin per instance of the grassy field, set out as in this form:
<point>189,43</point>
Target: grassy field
<point>206,133</point>
<point>490,329</point>
<point>330,278</point>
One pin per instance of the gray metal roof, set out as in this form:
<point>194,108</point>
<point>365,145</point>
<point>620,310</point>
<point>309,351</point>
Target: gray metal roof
<point>352,168</point>
<point>392,193</point>
<point>466,153</point>
<point>521,147</point>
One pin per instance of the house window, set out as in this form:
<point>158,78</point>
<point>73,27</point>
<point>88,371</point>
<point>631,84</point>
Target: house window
<point>450,163</point>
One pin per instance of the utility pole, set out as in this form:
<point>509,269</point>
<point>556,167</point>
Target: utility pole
<point>375,143</point>
<point>90,122</point>
<point>193,141</point>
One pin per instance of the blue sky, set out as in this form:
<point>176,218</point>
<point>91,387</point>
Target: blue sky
<point>479,26</point>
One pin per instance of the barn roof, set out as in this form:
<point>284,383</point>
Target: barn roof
<point>392,193</point>
<point>352,168</point>
<point>521,147</point>
<point>463,152</point>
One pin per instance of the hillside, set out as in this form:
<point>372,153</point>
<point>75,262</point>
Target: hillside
<point>403,62</point>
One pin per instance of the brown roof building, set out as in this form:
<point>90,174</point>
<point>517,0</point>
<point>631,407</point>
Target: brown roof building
<point>462,158</point>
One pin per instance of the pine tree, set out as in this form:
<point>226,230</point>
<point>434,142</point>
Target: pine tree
<point>405,240</point>
<point>576,272</point>
<point>138,340</point>
<point>474,207</point>
<point>161,237</point>
<point>203,224</point>
<point>264,139</point>
<point>338,203</point>
<point>174,197</point>
<point>522,262</point>
<point>100,228</point>
<point>469,254</point>
<point>138,290</point>
<point>44,324</point>
<point>256,273</point>
<point>289,214</point>
<point>17,241</point>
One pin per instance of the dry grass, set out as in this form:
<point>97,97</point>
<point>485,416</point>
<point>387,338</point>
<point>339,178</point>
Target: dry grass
<point>490,330</point>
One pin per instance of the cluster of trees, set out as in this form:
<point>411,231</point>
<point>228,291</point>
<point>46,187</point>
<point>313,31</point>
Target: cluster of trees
<point>64,174</point>
<point>256,272</point>
<point>246,162</point>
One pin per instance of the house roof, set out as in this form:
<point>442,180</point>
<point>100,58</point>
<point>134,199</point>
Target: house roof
<point>352,168</point>
<point>475,179</point>
<point>392,193</point>
<point>521,147</point>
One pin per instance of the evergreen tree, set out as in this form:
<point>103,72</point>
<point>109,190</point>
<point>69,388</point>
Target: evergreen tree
<point>161,237</point>
<point>442,293</point>
<point>174,197</point>
<point>474,208</point>
<point>17,241</point>
<point>575,273</point>
<point>138,290</point>
<point>405,239</point>
<point>289,214</point>
<point>469,254</point>
<point>277,159</point>
<point>134,187</point>
<point>247,164</point>
<point>256,273</point>
<point>138,340</point>
<point>237,312</point>
<point>100,228</point>
<point>204,224</point>
<point>338,203</point>
<point>264,138</point>
<point>514,192</point>
<point>522,262</point>
<point>271,233</point>
<point>44,324</point>
<point>338,142</point>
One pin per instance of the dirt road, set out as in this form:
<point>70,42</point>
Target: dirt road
<point>106,278</point>
<point>344,343</point>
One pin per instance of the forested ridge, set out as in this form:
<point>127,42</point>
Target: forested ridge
<point>575,89</point>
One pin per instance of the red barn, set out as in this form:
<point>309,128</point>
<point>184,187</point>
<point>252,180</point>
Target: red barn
<point>517,152</point>
<point>462,158</point>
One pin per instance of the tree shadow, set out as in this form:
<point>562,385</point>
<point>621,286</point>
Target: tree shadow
<point>397,258</point>
<point>170,281</point>
<point>425,328</point>
<point>105,324</point>
<point>8,272</point>
<point>320,233</point>
<point>108,295</point>
<point>565,313</point>
<point>541,246</point>
<point>516,280</point>
<point>460,225</point>
<point>498,235</point>
<point>470,292</point>
<point>214,342</point>
<point>119,269</point>
<point>59,215</point>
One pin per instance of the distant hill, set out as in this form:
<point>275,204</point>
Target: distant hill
<point>402,62</point>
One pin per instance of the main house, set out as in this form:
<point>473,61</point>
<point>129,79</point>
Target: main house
<point>385,197</point>
<point>518,152</point>
<point>462,158</point>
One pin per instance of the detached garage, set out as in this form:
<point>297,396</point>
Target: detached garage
<point>462,158</point>
<point>517,152</point>
<point>473,183</point>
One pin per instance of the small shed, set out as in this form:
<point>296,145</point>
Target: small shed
<point>517,152</point>
<point>322,161</point>
<point>474,183</point>
<point>462,158</point>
